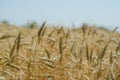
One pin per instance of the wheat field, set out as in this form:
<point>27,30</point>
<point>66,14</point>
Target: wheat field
<point>59,53</point>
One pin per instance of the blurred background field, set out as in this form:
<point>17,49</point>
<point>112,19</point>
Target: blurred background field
<point>58,53</point>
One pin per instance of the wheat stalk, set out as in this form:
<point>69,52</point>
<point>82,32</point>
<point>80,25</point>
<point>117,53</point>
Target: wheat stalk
<point>18,41</point>
<point>102,53</point>
<point>58,32</point>
<point>48,54</point>
<point>91,54</point>
<point>61,49</point>
<point>40,31</point>
<point>87,53</point>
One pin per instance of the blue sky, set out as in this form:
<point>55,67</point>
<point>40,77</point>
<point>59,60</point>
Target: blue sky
<point>61,12</point>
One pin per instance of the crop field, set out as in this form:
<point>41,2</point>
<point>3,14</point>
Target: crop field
<point>59,53</point>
